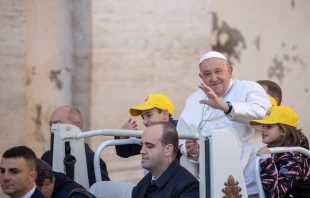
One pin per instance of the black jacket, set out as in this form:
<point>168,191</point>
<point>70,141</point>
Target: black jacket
<point>37,194</point>
<point>90,165</point>
<point>64,185</point>
<point>175,182</point>
<point>129,150</point>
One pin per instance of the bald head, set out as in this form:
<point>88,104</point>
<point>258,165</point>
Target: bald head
<point>66,115</point>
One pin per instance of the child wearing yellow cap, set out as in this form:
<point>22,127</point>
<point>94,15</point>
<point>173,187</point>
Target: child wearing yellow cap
<point>284,174</point>
<point>155,108</point>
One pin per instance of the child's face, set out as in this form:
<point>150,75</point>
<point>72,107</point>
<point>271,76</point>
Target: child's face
<point>152,116</point>
<point>270,133</point>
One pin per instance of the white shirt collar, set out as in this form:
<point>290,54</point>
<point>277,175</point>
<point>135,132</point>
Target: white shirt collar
<point>30,192</point>
<point>154,179</point>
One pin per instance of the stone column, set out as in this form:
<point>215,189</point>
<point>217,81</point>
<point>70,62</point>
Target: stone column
<point>82,57</point>
<point>49,67</point>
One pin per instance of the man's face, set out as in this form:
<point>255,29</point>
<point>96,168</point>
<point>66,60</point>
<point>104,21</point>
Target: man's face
<point>60,116</point>
<point>152,151</point>
<point>16,177</point>
<point>216,74</point>
<point>152,116</point>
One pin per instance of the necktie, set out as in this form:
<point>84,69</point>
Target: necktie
<point>150,189</point>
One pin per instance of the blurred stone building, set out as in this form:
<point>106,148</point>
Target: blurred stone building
<point>104,56</point>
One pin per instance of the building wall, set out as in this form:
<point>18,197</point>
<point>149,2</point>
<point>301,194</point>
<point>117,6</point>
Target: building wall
<point>121,51</point>
<point>12,75</point>
<point>140,48</point>
<point>82,49</point>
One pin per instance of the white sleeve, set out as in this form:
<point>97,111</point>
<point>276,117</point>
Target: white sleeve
<point>256,105</point>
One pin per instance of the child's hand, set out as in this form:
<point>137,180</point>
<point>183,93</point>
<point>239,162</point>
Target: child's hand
<point>264,150</point>
<point>192,147</point>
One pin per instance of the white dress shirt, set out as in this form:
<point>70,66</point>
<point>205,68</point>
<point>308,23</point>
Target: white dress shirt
<point>29,193</point>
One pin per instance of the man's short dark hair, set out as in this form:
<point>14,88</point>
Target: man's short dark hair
<point>44,171</point>
<point>169,136</point>
<point>274,89</point>
<point>22,152</point>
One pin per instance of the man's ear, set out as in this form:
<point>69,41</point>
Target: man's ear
<point>78,124</point>
<point>230,69</point>
<point>168,150</point>
<point>47,184</point>
<point>200,75</point>
<point>166,115</point>
<point>33,176</point>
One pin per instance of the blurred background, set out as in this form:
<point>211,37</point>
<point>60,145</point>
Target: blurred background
<point>105,56</point>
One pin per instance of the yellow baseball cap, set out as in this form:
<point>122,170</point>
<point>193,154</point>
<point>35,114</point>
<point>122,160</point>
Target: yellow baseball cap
<point>153,101</point>
<point>272,100</point>
<point>278,115</point>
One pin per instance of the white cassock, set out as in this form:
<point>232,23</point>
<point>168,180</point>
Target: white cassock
<point>249,101</point>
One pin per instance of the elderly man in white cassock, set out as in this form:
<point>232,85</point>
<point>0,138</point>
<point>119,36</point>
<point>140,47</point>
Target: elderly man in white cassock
<point>225,103</point>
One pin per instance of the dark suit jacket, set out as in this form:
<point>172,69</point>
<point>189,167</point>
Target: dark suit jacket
<point>37,194</point>
<point>90,165</point>
<point>175,182</point>
<point>64,185</point>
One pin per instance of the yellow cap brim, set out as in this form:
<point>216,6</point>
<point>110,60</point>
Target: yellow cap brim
<point>136,111</point>
<point>261,122</point>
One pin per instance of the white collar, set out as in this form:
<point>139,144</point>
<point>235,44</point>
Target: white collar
<point>154,179</point>
<point>30,192</point>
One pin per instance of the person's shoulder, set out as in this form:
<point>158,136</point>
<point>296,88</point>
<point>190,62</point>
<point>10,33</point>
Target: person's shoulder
<point>64,185</point>
<point>184,175</point>
<point>88,150</point>
<point>74,185</point>
<point>297,155</point>
<point>182,179</point>
<point>147,178</point>
<point>45,157</point>
<point>46,153</point>
<point>37,194</point>
<point>245,82</point>
<point>142,184</point>
<point>290,154</point>
<point>87,146</point>
<point>174,122</point>
<point>248,85</point>
<point>291,157</point>
<point>90,154</point>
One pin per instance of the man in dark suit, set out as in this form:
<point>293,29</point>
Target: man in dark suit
<point>71,115</point>
<point>18,173</point>
<point>54,184</point>
<point>167,178</point>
